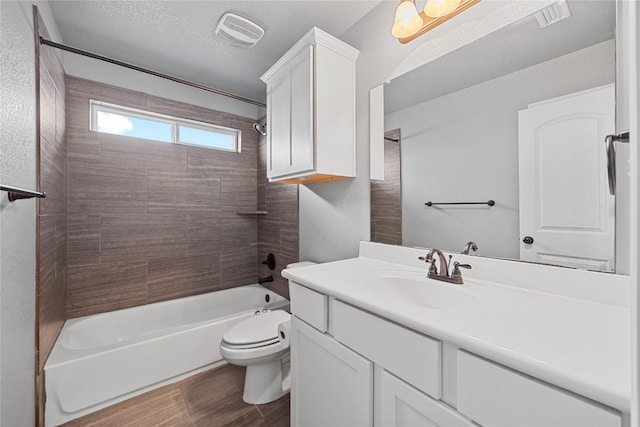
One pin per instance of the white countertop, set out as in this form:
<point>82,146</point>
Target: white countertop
<point>576,344</point>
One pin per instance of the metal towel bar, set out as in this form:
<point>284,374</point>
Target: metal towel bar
<point>489,203</point>
<point>16,193</point>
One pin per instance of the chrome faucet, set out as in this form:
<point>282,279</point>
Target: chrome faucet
<point>443,273</point>
<point>470,246</point>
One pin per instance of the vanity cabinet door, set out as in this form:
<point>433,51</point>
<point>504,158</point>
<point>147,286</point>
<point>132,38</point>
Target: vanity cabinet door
<point>495,396</point>
<point>330,384</point>
<point>405,406</point>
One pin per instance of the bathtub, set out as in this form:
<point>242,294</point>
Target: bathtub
<point>103,359</point>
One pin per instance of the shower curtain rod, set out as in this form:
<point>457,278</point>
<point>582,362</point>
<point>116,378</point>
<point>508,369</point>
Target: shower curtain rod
<point>151,72</point>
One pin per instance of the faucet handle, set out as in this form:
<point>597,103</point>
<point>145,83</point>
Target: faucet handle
<point>457,266</point>
<point>433,269</point>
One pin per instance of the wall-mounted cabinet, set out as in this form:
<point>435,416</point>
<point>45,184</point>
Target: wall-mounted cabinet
<point>311,111</point>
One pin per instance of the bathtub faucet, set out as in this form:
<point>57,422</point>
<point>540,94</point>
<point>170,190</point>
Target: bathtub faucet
<point>267,279</point>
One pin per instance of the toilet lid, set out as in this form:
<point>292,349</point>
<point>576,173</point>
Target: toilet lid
<point>257,328</point>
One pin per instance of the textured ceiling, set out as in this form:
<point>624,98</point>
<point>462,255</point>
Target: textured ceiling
<point>177,37</point>
<point>512,48</point>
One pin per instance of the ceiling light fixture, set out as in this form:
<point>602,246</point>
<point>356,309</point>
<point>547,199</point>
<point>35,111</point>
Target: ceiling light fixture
<point>438,8</point>
<point>407,21</point>
<point>409,24</point>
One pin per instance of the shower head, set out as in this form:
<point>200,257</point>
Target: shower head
<point>261,129</point>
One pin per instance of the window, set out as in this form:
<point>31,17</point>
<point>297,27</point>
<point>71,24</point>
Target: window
<point>115,119</point>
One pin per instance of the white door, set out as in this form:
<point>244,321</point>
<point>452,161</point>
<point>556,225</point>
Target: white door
<point>405,406</point>
<point>330,384</point>
<point>566,212</point>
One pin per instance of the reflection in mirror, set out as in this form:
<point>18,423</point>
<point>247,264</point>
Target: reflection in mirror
<point>386,201</point>
<point>518,117</point>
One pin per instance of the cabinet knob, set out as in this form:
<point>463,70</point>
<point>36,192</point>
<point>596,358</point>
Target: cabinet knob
<point>527,240</point>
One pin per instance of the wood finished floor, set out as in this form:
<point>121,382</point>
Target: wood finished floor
<point>212,398</point>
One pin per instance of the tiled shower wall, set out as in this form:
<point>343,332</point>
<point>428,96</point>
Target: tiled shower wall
<point>386,196</point>
<point>52,210</point>
<point>278,229</point>
<point>151,221</point>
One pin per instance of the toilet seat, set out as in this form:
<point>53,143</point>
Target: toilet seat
<point>252,345</point>
<point>259,330</point>
<point>245,356</point>
<point>255,339</point>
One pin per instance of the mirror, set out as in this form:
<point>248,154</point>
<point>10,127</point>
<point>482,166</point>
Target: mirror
<point>500,143</point>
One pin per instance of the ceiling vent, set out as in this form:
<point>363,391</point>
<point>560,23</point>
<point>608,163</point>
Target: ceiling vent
<point>239,31</point>
<point>552,14</point>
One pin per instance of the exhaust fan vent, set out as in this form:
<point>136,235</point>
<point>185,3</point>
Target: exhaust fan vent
<point>552,14</point>
<point>239,31</point>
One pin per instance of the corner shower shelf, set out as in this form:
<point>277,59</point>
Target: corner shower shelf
<point>251,212</point>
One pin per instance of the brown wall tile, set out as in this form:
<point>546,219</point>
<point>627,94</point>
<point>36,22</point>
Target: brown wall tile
<point>105,190</point>
<point>52,316</point>
<point>238,265</point>
<point>180,277</point>
<point>278,230</point>
<point>83,245</point>
<point>83,147</point>
<point>171,192</point>
<point>386,202</point>
<point>105,287</point>
<point>52,212</point>
<point>170,208</point>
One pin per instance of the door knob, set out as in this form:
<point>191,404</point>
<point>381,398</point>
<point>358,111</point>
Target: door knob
<point>527,240</point>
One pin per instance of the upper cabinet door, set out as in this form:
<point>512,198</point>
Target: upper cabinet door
<point>302,112</point>
<point>290,121</point>
<point>566,212</point>
<point>279,125</point>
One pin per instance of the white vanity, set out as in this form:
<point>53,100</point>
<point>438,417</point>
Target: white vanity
<point>374,342</point>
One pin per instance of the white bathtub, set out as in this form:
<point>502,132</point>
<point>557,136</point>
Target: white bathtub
<point>105,358</point>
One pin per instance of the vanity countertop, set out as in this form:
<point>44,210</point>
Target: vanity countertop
<point>576,344</point>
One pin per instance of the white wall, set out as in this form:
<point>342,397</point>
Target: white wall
<point>103,72</point>
<point>464,147</point>
<point>18,219</point>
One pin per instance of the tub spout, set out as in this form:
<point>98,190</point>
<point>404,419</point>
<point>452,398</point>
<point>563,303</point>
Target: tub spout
<point>267,279</point>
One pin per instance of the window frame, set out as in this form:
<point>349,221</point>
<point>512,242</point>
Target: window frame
<point>175,123</point>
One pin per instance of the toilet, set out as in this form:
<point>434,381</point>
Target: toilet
<point>261,343</point>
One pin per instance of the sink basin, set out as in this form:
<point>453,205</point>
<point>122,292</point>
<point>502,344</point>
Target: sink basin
<point>414,289</point>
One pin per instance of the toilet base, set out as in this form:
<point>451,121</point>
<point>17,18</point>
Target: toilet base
<point>263,383</point>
